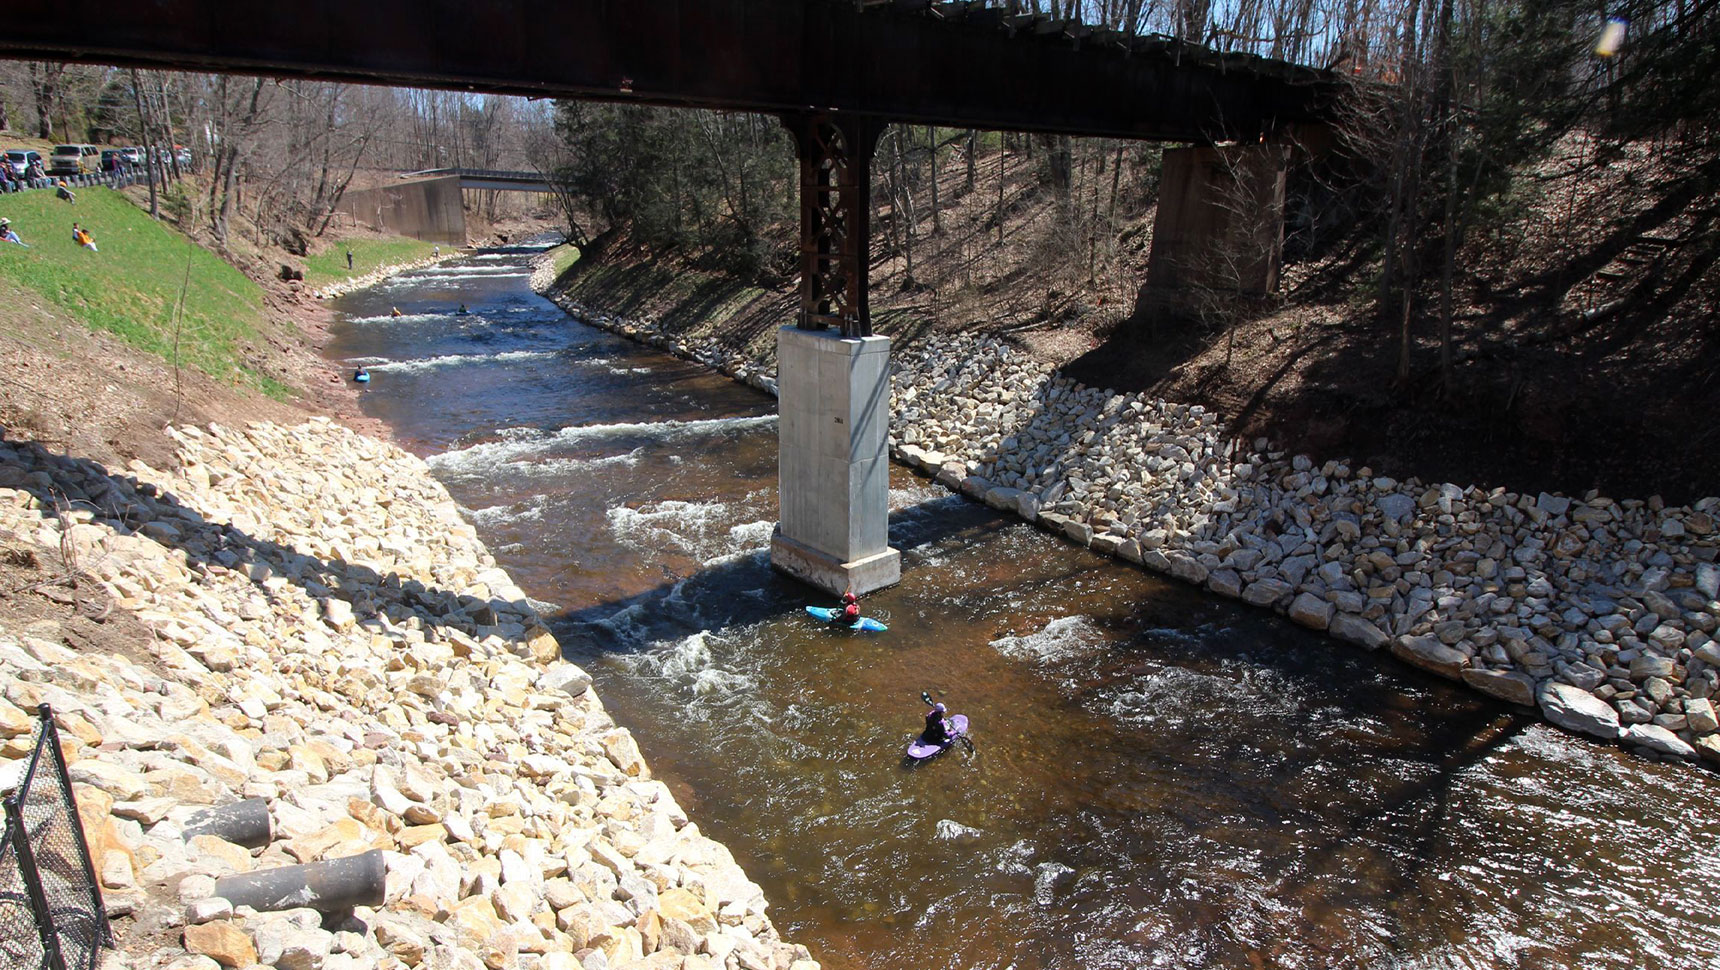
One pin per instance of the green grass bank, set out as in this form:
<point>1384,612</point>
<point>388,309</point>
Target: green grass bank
<point>132,285</point>
<point>368,256</point>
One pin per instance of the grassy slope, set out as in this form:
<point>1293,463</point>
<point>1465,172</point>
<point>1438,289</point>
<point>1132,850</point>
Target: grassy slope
<point>563,257</point>
<point>132,286</point>
<point>368,255</point>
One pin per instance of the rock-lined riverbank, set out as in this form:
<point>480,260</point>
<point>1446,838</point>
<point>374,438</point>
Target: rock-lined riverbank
<point>375,276</point>
<point>329,635</point>
<point>1600,612</point>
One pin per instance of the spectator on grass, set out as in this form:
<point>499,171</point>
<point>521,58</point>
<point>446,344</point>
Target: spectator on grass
<point>7,234</point>
<point>81,236</point>
<point>65,192</point>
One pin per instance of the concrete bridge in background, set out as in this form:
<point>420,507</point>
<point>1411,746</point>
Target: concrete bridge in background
<point>489,180</point>
<point>837,72</point>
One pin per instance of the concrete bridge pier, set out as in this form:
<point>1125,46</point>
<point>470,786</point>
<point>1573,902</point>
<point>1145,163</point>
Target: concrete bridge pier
<point>833,388</point>
<point>1220,226</point>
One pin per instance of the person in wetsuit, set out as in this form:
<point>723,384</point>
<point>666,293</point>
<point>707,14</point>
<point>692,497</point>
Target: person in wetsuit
<point>849,614</point>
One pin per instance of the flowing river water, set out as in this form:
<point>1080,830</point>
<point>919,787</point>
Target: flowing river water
<point>1160,778</point>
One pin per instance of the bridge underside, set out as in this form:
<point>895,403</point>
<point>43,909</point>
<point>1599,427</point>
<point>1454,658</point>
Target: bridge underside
<point>981,69</point>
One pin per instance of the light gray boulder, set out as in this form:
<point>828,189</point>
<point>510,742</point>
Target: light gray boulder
<point>1356,630</point>
<point>1429,654</point>
<point>1311,611</point>
<point>1266,592</point>
<point>1507,685</point>
<point>1657,738</point>
<point>1575,709</point>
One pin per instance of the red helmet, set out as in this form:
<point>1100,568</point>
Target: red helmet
<point>849,598</point>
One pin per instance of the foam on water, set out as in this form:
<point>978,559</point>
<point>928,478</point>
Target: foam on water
<point>446,269</point>
<point>472,273</point>
<point>750,537</point>
<point>949,830</point>
<point>528,510</point>
<point>1061,639</point>
<point>562,468</point>
<point>403,318</point>
<point>427,364</point>
<point>703,530</point>
<point>518,443</point>
<point>1176,696</point>
<point>688,664</point>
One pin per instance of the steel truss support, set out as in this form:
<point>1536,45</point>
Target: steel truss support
<point>835,218</point>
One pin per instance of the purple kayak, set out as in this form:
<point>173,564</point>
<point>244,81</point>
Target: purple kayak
<point>918,750</point>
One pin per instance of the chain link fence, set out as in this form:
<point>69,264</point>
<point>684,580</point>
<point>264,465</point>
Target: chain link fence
<point>51,913</point>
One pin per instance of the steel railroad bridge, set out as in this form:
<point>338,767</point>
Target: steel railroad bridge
<point>836,72</point>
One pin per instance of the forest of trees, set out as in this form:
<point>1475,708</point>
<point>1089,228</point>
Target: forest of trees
<point>280,153</point>
<point>1460,117</point>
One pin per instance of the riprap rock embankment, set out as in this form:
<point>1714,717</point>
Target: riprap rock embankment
<point>1602,613</point>
<point>330,636</point>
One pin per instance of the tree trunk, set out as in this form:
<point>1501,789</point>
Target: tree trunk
<point>1448,132</point>
<point>937,216</point>
<point>45,89</point>
<point>906,212</point>
<point>148,143</point>
<point>972,150</point>
<point>164,119</point>
<point>230,147</point>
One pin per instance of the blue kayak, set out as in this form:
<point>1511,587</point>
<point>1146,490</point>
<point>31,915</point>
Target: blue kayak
<point>864,623</point>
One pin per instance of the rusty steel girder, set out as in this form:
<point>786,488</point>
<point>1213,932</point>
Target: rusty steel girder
<point>835,190</point>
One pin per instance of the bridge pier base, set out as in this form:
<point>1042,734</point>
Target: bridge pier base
<point>833,462</point>
<point>833,389</point>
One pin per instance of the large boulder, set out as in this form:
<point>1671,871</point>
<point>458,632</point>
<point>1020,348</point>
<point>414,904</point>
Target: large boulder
<point>1311,611</point>
<point>1430,655</point>
<point>1575,709</point>
<point>1507,685</point>
<point>1356,630</point>
<point>1656,738</point>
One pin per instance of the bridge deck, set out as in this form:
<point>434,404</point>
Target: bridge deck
<point>957,64</point>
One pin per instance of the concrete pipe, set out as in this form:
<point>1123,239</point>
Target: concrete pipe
<point>327,887</point>
<point>245,823</point>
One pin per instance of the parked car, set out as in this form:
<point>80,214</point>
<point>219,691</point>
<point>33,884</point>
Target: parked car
<point>133,154</point>
<point>74,160</point>
<point>19,159</point>
<point>113,159</point>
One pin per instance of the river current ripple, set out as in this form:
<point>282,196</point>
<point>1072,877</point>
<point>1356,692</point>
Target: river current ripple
<point>1160,779</point>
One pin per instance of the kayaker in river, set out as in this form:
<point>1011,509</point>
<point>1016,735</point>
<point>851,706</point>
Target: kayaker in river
<point>937,728</point>
<point>849,614</point>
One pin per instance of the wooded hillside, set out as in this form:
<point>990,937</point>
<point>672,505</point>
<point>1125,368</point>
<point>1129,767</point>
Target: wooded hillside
<point>1509,235</point>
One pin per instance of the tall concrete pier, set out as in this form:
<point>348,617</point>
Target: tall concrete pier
<point>833,465</point>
